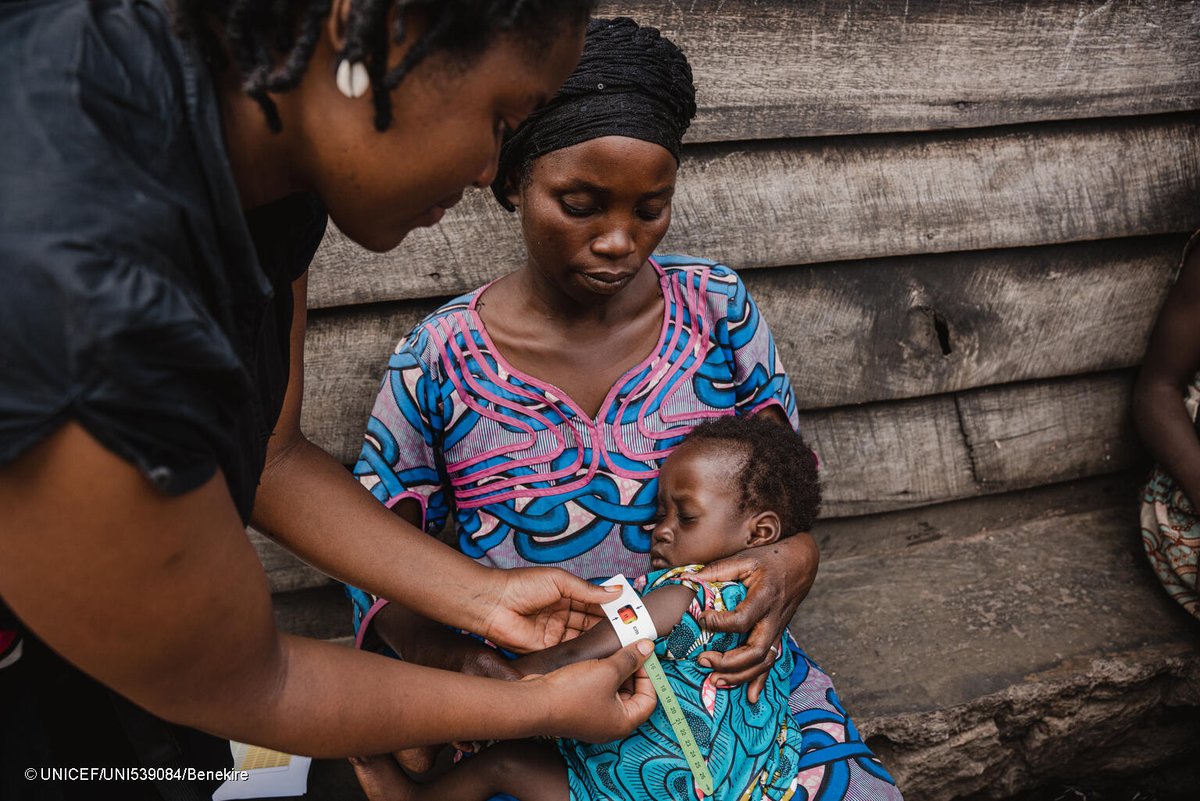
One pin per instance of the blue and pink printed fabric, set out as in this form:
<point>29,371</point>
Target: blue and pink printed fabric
<point>531,479</point>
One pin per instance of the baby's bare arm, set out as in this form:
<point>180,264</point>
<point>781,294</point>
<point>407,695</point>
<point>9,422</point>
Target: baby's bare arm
<point>666,606</point>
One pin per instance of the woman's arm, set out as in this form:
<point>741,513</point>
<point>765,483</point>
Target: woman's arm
<point>777,578</point>
<point>1172,359</point>
<point>162,598</point>
<point>312,505</point>
<point>666,606</point>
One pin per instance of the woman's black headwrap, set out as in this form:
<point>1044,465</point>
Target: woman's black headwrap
<point>631,81</point>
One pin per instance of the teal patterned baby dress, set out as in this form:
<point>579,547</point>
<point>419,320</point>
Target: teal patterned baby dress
<point>753,750</point>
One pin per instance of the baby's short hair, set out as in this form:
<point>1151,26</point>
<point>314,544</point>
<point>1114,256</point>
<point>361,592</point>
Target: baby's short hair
<point>778,470</point>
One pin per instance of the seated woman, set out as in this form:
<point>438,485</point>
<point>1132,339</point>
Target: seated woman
<point>734,483</point>
<point>538,409</point>
<point>1165,401</point>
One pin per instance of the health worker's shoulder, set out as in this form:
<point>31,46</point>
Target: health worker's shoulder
<point>99,71</point>
<point>100,150</point>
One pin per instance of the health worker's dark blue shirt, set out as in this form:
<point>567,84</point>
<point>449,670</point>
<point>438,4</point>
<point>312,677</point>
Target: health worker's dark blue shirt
<point>136,299</point>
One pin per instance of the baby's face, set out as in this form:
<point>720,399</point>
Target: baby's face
<point>698,519</point>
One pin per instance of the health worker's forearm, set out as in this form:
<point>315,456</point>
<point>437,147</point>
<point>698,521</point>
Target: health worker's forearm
<point>315,508</point>
<point>397,705</point>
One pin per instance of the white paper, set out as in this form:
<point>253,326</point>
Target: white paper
<point>272,774</point>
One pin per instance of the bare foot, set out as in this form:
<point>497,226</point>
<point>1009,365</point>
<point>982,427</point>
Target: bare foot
<point>382,780</point>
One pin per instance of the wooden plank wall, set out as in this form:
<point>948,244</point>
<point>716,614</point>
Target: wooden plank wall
<point>959,218</point>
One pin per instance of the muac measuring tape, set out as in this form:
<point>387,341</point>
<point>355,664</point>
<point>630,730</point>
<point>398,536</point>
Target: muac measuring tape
<point>632,622</point>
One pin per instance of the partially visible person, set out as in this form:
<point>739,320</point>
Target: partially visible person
<point>734,483</point>
<point>1165,401</point>
<point>531,416</point>
<point>164,182</point>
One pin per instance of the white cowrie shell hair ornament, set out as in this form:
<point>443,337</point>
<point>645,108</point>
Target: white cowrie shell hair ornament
<point>352,79</point>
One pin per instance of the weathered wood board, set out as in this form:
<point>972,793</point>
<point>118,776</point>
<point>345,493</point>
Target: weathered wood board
<point>807,201</point>
<point>879,457</point>
<point>345,355</point>
<point>786,69</point>
<point>894,455</point>
<point>886,456</point>
<point>1024,435</point>
<point>855,332</point>
<point>896,532</point>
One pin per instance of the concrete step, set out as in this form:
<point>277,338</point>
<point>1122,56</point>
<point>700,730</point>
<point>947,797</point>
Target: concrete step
<point>994,645</point>
<point>984,647</point>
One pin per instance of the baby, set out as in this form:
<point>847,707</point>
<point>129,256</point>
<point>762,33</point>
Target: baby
<point>733,483</point>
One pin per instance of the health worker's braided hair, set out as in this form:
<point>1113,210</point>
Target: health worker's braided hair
<point>778,470</point>
<point>272,41</point>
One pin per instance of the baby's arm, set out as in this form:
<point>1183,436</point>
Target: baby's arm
<point>666,606</point>
<point>1171,360</point>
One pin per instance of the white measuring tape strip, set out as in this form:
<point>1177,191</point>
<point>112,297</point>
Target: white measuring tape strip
<point>632,622</point>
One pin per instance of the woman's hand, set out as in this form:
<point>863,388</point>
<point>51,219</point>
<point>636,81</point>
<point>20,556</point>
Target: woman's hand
<point>530,608</point>
<point>599,700</point>
<point>777,578</point>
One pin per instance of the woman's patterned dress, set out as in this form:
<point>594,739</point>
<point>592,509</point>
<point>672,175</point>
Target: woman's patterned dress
<point>1171,529</point>
<point>530,479</point>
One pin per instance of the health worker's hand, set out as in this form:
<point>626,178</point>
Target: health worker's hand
<point>777,578</point>
<point>530,608</point>
<point>595,701</point>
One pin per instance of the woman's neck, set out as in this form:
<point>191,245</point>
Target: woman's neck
<point>262,161</point>
<point>546,301</point>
